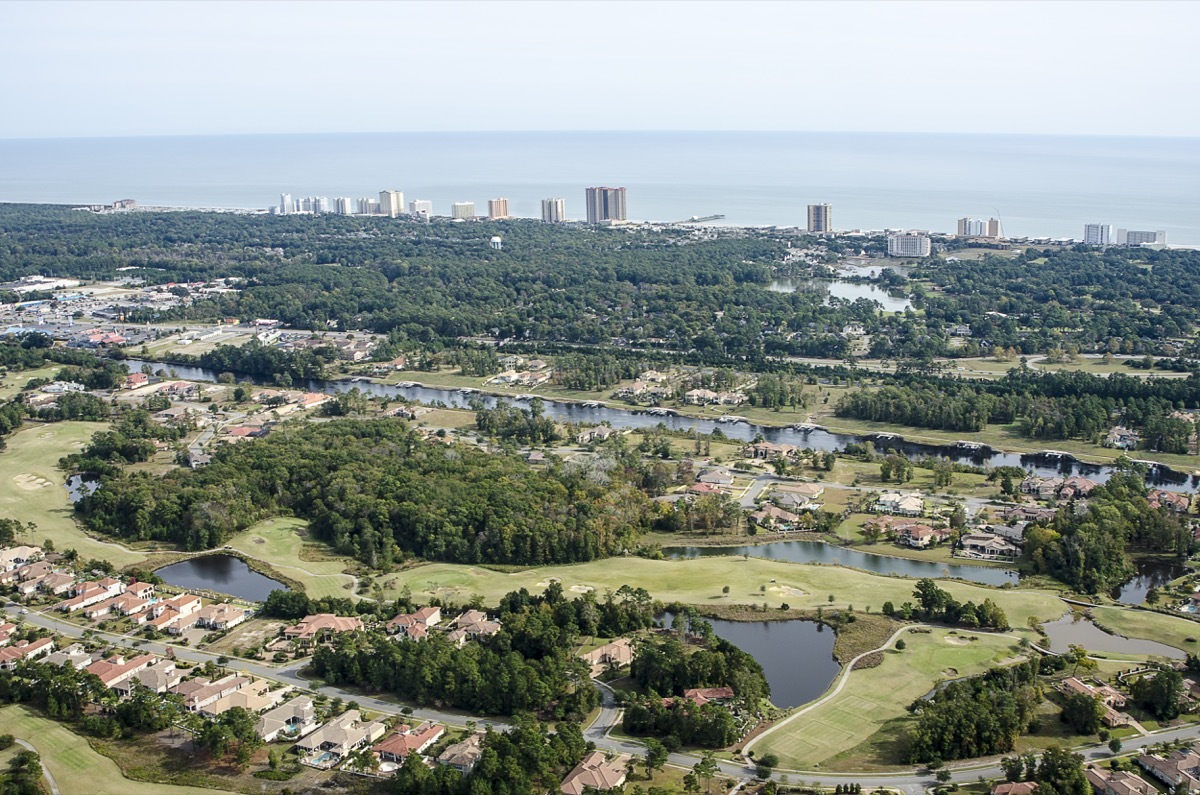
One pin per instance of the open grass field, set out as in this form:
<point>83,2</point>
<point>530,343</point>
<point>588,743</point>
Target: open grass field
<point>874,696</point>
<point>1150,626</point>
<point>700,580</point>
<point>281,543</point>
<point>77,768</point>
<point>14,382</point>
<point>32,490</point>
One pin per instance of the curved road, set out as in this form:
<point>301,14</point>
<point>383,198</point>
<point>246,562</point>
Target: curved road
<point>913,782</point>
<point>45,770</point>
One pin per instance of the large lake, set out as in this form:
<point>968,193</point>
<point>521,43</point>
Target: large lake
<point>221,573</point>
<point>836,288</point>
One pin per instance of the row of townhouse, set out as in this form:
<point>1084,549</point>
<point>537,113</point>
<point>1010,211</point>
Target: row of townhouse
<point>470,625</point>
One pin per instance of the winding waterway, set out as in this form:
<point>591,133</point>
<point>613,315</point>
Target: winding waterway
<point>816,439</point>
<point>820,552</point>
<point>1073,629</point>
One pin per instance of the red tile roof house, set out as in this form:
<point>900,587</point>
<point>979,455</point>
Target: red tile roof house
<point>405,741</point>
<point>1015,788</point>
<point>85,594</point>
<point>415,625</point>
<point>25,650</point>
<point>312,628</point>
<point>704,695</point>
<point>6,631</point>
<point>116,670</point>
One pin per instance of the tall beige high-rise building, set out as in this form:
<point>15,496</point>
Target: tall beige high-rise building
<point>993,228</point>
<point>554,211</point>
<point>391,203</point>
<point>462,210</point>
<point>606,204</point>
<point>497,209</point>
<point>820,218</point>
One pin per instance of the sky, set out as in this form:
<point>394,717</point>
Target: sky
<point>98,68</point>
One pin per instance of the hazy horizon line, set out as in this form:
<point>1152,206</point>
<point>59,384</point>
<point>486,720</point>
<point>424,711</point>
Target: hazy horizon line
<point>575,131</point>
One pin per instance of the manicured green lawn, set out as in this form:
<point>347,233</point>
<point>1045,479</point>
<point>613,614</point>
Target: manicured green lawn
<point>700,580</point>
<point>76,767</point>
<point>1150,626</point>
<point>279,542</point>
<point>32,490</point>
<point>16,381</point>
<point>874,696</point>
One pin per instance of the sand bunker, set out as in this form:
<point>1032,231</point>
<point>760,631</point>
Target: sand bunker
<point>258,540</point>
<point>581,588</point>
<point>949,673</point>
<point>31,482</point>
<point>546,582</point>
<point>787,590</point>
<point>957,641</point>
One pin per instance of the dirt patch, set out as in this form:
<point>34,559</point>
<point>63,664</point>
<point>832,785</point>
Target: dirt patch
<point>258,540</point>
<point>958,641</point>
<point>949,673</point>
<point>29,482</point>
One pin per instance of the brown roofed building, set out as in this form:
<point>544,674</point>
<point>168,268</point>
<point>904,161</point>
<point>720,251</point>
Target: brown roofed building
<point>595,772</point>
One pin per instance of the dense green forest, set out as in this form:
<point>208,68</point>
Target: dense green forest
<point>380,492</point>
<point>1087,549</point>
<point>1045,405</point>
<point>529,666</point>
<point>980,716</point>
<point>673,289</point>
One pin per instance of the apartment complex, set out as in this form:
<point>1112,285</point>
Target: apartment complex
<point>820,218</point>
<point>497,209</point>
<point>554,211</point>
<point>606,204</point>
<point>908,244</point>
<point>391,203</point>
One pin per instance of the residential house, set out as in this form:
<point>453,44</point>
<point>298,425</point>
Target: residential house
<point>253,697</point>
<point>57,583</point>
<point>88,593</point>
<point>894,502</point>
<point>708,695</point>
<point>716,477</point>
<point>199,693</point>
<point>1121,438</point>
<point>1118,782</point>
<point>701,397</point>
<point>920,536</point>
<point>633,390</point>
<point>291,719</point>
<point>74,656</point>
<point>769,451</point>
<point>6,632</point>
<point>424,618</point>
<point>158,678</point>
<point>135,380</point>
<point>464,755</point>
<point>1043,488</point>
<point>1015,788</point>
<point>16,557</point>
<point>405,741</point>
<point>1076,486</point>
<point>1179,770</point>
<point>116,670</point>
<point>655,377</point>
<point>1110,699</point>
<point>313,628</point>
<point>988,546</point>
<point>616,654</point>
<point>175,615</point>
<point>1170,500</point>
<point>473,625</point>
<point>221,616</point>
<point>774,518</point>
<point>595,772</point>
<point>24,650</point>
<point>338,738</point>
<point>704,488</point>
<point>598,434</point>
<point>1028,513</point>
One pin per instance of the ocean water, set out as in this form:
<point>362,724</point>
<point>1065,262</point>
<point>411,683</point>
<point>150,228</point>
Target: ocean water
<point>1043,186</point>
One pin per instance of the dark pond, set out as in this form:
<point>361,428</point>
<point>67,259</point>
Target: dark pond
<point>849,291</point>
<point>1039,464</point>
<point>80,486</point>
<point>1074,629</point>
<point>820,552</point>
<point>1151,573</point>
<point>221,573</point>
<point>796,656</point>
